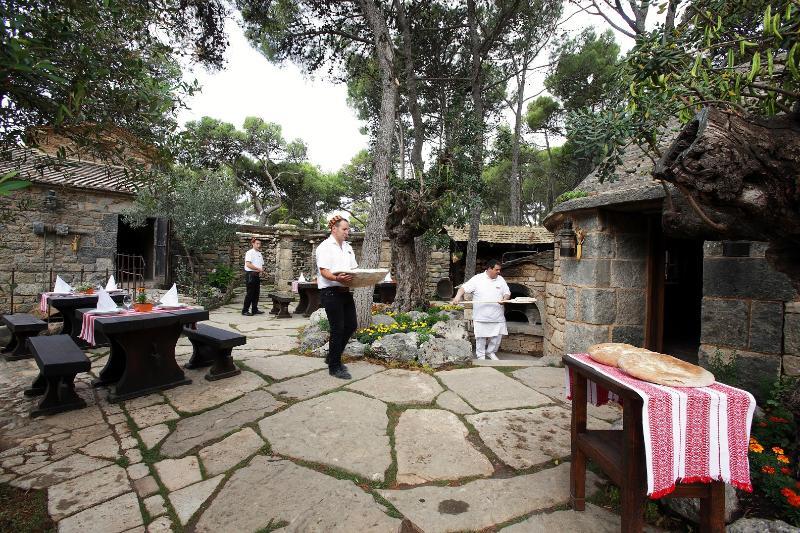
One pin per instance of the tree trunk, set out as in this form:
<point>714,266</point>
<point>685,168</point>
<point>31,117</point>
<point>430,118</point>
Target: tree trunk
<point>376,222</point>
<point>423,252</point>
<point>551,200</point>
<point>515,185</point>
<point>738,179</point>
<point>477,157</point>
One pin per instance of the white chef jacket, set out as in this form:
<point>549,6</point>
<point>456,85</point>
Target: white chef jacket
<point>255,257</point>
<point>489,319</point>
<point>335,258</point>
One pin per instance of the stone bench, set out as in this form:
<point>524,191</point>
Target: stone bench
<point>212,347</point>
<point>280,305</point>
<point>59,360</point>
<point>22,327</point>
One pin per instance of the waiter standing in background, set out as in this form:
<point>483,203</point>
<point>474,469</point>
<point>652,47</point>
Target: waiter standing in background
<point>253,267</point>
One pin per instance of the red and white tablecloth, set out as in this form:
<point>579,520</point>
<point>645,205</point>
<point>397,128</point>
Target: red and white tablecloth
<point>295,286</point>
<point>691,434</point>
<point>43,301</point>
<point>87,324</point>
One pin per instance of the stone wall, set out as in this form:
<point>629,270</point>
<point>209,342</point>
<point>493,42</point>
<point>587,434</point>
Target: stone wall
<point>603,292</point>
<point>92,218</point>
<point>748,308</point>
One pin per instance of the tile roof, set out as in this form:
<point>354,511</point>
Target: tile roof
<point>38,167</point>
<point>503,234</point>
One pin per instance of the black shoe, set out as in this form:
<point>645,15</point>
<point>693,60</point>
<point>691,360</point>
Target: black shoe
<point>340,373</point>
<point>247,313</point>
<point>258,312</point>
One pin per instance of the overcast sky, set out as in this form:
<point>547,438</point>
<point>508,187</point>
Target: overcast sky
<point>312,109</point>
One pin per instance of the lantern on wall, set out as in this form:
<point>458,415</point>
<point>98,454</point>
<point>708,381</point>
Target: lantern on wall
<point>568,240</point>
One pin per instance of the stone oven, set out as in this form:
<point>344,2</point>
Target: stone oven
<point>526,277</point>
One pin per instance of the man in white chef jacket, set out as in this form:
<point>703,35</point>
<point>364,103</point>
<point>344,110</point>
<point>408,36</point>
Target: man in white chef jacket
<point>489,321</point>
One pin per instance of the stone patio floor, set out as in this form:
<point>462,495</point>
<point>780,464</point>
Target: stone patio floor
<point>286,447</point>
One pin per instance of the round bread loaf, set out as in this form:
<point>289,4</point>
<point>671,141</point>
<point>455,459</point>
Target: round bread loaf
<point>665,370</point>
<point>608,353</point>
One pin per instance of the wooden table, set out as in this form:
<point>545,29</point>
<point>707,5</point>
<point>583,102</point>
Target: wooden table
<point>309,297</point>
<point>142,358</point>
<point>386,291</point>
<point>68,303</point>
<point>620,454</point>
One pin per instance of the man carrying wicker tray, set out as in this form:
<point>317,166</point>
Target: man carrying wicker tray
<point>489,319</point>
<point>333,256</point>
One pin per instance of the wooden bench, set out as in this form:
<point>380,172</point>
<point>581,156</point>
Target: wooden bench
<point>212,347</point>
<point>22,327</point>
<point>280,305</point>
<point>59,360</point>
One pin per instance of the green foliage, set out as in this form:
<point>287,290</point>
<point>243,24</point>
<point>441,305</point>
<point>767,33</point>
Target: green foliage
<point>725,371</point>
<point>571,195</point>
<point>324,324</point>
<point>776,488</point>
<point>24,510</point>
<point>87,67</point>
<point>201,205</point>
<point>8,184</point>
<point>739,56</point>
<point>543,114</point>
<point>221,277</point>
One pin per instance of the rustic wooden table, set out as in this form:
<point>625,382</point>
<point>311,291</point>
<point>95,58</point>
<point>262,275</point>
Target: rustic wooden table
<point>620,454</point>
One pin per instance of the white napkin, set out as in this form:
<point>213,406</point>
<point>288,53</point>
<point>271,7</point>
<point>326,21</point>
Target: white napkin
<point>388,277</point>
<point>170,298</point>
<point>112,284</point>
<point>302,278</point>
<point>104,301</point>
<point>62,287</point>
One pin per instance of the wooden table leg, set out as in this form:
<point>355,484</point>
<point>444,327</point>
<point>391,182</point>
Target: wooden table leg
<point>632,492</point>
<point>712,509</point>
<point>303,303</point>
<point>577,471</point>
<point>313,301</point>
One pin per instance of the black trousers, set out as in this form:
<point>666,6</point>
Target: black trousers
<point>253,285</point>
<point>341,311</point>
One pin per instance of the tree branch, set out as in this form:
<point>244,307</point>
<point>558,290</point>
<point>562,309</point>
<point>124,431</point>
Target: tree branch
<point>722,228</point>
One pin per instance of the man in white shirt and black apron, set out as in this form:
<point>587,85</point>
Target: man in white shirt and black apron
<point>489,319</point>
<point>336,255</point>
<point>253,267</point>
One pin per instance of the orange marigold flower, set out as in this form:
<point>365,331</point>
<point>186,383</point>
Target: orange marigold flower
<point>794,501</point>
<point>778,419</point>
<point>787,492</point>
<point>783,459</point>
<point>777,450</point>
<point>756,447</point>
<point>786,470</point>
<point>768,469</point>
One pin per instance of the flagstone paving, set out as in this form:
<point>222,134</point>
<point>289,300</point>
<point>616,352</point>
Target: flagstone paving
<point>283,445</point>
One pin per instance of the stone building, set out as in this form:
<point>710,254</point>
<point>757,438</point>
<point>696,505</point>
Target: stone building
<point>684,297</point>
<point>69,222</point>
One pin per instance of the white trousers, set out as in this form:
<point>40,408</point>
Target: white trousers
<point>484,345</point>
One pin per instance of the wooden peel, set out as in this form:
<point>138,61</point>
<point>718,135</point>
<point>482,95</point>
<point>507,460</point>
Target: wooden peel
<point>517,300</point>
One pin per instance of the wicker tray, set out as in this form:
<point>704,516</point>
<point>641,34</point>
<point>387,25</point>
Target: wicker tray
<point>364,277</point>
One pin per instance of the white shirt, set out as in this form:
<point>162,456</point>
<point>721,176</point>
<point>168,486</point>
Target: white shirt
<point>255,257</point>
<point>335,258</point>
<point>482,287</point>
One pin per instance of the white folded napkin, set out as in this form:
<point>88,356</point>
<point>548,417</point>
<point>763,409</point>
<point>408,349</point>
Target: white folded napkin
<point>62,287</point>
<point>104,301</point>
<point>112,284</point>
<point>302,278</point>
<point>170,298</point>
<point>388,277</point>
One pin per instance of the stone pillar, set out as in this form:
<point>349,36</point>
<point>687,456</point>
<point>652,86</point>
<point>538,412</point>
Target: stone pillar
<point>791,339</point>
<point>286,234</point>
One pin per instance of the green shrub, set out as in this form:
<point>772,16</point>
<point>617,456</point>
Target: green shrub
<point>724,371</point>
<point>324,325</point>
<point>221,276</point>
<point>570,195</point>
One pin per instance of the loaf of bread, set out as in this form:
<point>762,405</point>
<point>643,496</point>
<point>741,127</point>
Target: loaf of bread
<point>608,353</point>
<point>665,370</point>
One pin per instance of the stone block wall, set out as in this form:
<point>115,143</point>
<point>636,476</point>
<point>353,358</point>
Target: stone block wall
<point>535,278</point>
<point>600,297</point>
<point>751,309</point>
<point>92,217</point>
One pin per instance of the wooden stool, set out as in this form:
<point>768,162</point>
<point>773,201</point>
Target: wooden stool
<point>22,327</point>
<point>212,347</point>
<point>280,305</point>
<point>620,454</point>
<point>59,360</point>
